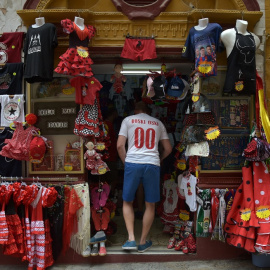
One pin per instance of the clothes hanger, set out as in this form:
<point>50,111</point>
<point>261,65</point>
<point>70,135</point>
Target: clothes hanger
<point>140,36</point>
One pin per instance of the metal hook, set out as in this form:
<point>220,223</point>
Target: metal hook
<point>202,11</point>
<point>39,13</point>
<point>242,14</point>
<point>79,13</point>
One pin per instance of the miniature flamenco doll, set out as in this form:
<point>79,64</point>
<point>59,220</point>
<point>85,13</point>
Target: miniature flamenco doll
<point>76,61</point>
<point>118,78</point>
<point>94,161</point>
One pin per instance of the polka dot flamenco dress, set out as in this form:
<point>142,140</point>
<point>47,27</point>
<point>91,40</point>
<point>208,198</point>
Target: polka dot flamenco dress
<point>76,61</point>
<point>89,121</point>
<point>248,222</point>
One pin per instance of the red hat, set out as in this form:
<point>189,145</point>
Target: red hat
<point>37,150</point>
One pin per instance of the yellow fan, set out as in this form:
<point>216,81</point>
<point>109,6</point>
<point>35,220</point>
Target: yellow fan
<point>239,86</point>
<point>195,97</point>
<point>181,164</point>
<point>212,133</point>
<point>263,211</point>
<point>205,67</point>
<point>245,214</point>
<point>184,215</point>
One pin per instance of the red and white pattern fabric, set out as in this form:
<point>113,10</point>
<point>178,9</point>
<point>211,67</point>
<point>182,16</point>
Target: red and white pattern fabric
<point>248,222</point>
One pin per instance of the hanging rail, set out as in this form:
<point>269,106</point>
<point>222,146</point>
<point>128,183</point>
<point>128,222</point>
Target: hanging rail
<point>48,179</point>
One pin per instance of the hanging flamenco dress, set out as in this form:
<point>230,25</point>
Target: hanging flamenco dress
<point>30,195</point>
<point>261,199</point>
<point>18,146</point>
<point>56,217</point>
<point>76,60</point>
<point>15,245</point>
<point>242,222</point>
<point>41,251</point>
<point>5,194</point>
<point>169,208</point>
<point>89,121</point>
<point>49,197</point>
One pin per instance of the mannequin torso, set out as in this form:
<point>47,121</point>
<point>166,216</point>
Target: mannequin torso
<point>202,24</point>
<point>79,22</point>
<point>39,22</point>
<point>228,36</point>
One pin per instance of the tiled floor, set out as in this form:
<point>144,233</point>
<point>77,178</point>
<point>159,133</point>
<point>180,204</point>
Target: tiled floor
<point>159,239</point>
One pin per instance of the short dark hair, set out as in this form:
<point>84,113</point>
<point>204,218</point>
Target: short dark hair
<point>202,48</point>
<point>142,106</point>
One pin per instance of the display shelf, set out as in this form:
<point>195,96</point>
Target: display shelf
<point>56,116</point>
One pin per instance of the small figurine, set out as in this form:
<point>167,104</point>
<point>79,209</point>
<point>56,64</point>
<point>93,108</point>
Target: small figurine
<point>118,78</point>
<point>94,161</point>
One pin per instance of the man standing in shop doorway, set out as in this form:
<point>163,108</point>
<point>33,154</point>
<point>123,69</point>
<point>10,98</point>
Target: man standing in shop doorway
<point>142,165</point>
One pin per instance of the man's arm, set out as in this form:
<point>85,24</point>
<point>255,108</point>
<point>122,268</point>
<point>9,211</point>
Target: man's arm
<point>121,147</point>
<point>166,148</point>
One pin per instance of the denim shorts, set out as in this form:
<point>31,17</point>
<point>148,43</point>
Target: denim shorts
<point>148,175</point>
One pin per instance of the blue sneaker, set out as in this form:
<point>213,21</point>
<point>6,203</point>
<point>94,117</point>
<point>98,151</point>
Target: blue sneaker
<point>130,245</point>
<point>143,248</point>
<point>94,239</point>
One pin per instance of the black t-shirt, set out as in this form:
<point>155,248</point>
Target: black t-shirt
<point>39,53</point>
<point>11,79</point>
<point>9,167</point>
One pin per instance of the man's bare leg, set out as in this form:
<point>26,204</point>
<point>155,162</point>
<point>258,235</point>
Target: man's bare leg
<point>128,214</point>
<point>148,219</point>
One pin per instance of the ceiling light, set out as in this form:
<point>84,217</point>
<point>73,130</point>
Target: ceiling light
<point>138,71</point>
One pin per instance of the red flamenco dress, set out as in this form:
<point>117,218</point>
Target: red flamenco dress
<point>41,252</point>
<point>262,197</point>
<point>49,197</point>
<point>76,61</point>
<point>243,223</point>
<point>15,245</point>
<point>29,196</point>
<point>89,121</point>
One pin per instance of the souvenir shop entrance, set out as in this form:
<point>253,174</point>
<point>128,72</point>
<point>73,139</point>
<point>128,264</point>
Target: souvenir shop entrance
<point>170,30</point>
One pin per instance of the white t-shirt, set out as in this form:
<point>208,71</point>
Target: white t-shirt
<point>144,133</point>
<point>12,109</point>
<point>189,187</point>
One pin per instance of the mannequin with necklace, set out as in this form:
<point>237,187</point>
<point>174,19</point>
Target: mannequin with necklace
<point>228,36</point>
<point>39,22</point>
<point>241,48</point>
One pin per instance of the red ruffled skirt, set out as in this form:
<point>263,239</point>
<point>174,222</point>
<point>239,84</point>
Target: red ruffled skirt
<point>48,245</point>
<point>248,224</point>
<point>15,242</point>
<point>75,62</point>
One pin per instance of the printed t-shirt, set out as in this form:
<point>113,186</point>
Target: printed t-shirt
<point>39,53</point>
<point>189,187</point>
<point>11,79</point>
<point>201,46</point>
<point>12,109</point>
<point>143,133</point>
<point>11,47</point>
<point>86,89</point>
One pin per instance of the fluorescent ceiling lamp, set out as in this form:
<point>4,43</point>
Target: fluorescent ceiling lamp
<point>138,71</point>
